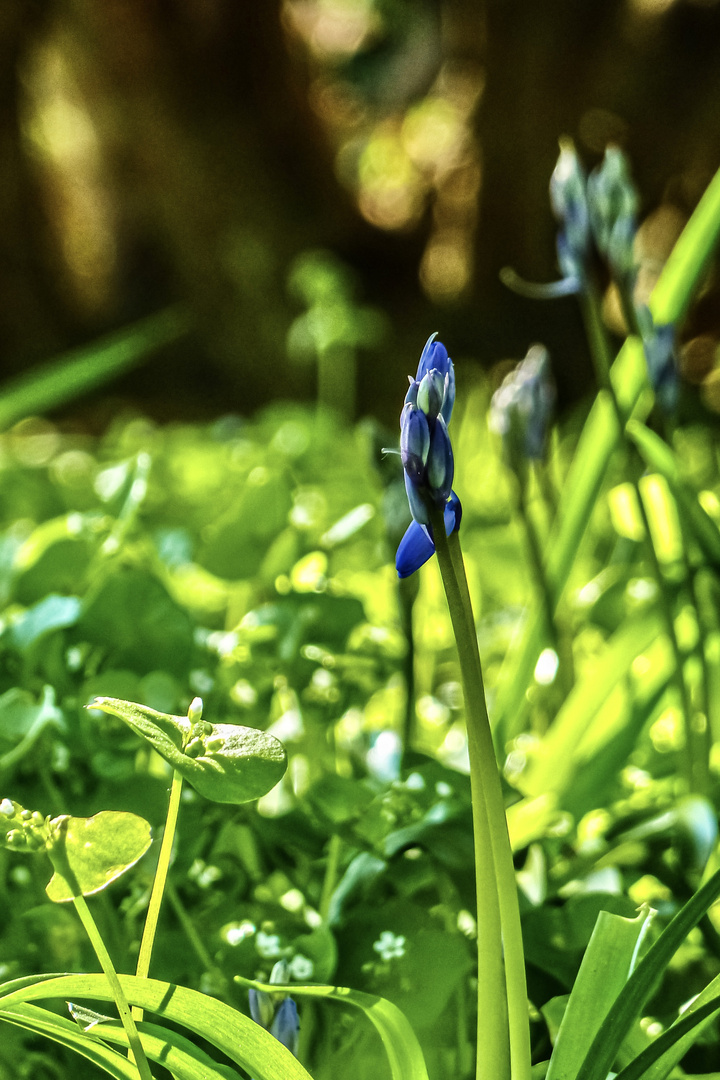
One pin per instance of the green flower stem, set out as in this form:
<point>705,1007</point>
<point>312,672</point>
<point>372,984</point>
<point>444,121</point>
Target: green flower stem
<point>503,1048</point>
<point>190,932</point>
<point>331,875</point>
<point>151,920</point>
<point>121,1001</point>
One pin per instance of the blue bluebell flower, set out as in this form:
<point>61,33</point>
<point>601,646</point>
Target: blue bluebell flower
<point>568,197</point>
<point>521,409</point>
<point>612,203</point>
<point>427,455</point>
<point>281,1020</point>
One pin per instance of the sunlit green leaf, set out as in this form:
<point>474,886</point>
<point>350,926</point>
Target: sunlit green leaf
<point>90,853</point>
<point>224,762</point>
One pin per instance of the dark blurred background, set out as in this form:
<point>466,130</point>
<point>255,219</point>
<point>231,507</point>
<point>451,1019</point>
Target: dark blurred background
<point>333,178</point>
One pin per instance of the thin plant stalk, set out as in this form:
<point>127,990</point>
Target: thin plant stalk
<point>128,1022</point>
<point>331,875</point>
<point>158,889</point>
<point>503,1029</point>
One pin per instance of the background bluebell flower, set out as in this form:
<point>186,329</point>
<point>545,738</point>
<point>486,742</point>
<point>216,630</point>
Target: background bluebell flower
<point>521,409</point>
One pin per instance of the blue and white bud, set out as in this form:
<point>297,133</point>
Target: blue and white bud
<point>431,393</point>
<point>286,1025</point>
<point>613,203</point>
<point>568,198</point>
<point>414,442</point>
<point>521,409</point>
<point>440,463</point>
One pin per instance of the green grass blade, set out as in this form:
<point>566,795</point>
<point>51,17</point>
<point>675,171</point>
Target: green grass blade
<point>67,1033</point>
<point>245,1042</point>
<point>634,994</point>
<point>67,377</point>
<point>689,258</point>
<point>659,456</point>
<point>605,968</point>
<point>400,1042</point>
<point>658,1059</point>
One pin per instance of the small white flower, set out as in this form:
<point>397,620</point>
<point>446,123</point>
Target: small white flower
<point>390,945</point>
<point>301,968</point>
<point>268,945</point>
<point>7,808</point>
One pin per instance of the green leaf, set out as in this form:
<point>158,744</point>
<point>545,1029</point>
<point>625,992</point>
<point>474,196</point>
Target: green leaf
<point>224,762</point>
<point>629,1002</point>
<point>132,614</point>
<point>168,1048</point>
<point>75,373</point>
<point>400,1042</point>
<point>245,1042</point>
<point>605,968</point>
<point>90,853</point>
<point>66,1033</point>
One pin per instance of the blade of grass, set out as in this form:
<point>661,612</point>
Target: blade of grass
<point>53,384</point>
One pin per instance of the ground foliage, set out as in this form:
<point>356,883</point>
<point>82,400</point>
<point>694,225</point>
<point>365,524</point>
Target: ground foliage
<point>250,563</point>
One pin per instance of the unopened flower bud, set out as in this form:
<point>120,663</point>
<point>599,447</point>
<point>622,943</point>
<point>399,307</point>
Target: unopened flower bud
<point>612,204</point>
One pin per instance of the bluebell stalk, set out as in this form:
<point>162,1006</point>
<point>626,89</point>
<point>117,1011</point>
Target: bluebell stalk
<point>280,1020</point>
<point>521,409</point>
<point>427,455</point>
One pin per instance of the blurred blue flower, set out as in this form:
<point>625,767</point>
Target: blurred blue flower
<point>427,455</point>
<point>612,203</point>
<point>521,409</point>
<point>282,1021</point>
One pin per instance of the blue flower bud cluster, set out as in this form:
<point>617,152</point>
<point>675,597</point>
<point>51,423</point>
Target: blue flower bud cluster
<point>596,213</point>
<point>427,455</point>
<point>598,216</point>
<point>281,1020</point>
<point>522,408</point>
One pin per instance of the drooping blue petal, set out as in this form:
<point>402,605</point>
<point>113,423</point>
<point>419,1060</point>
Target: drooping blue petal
<point>414,549</point>
<point>417,545</point>
<point>452,514</point>
<point>286,1025</point>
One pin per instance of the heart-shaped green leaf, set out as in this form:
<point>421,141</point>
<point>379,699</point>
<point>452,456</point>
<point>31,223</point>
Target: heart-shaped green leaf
<point>226,763</point>
<point>89,853</point>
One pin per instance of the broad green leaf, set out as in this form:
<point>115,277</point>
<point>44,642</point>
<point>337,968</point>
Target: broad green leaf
<point>245,1042</point>
<point>224,762</point>
<point>400,1042</point>
<point>66,1033</point>
<point>629,1002</point>
<point>168,1048</point>
<point>89,853</point>
<point>75,373</point>
<point>605,968</point>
